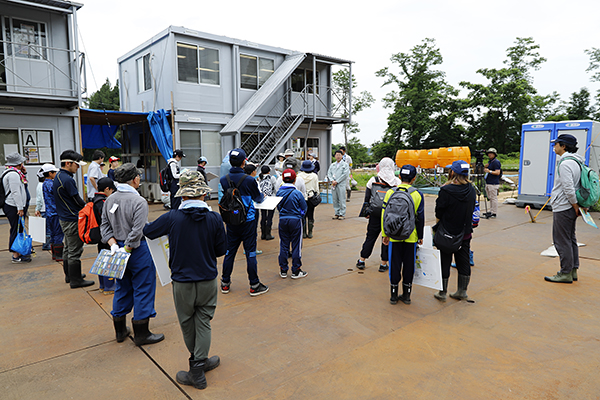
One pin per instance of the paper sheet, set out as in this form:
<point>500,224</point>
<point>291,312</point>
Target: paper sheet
<point>37,229</point>
<point>428,268</point>
<point>269,203</point>
<point>159,249</point>
<point>210,176</point>
<point>110,265</point>
<point>588,218</point>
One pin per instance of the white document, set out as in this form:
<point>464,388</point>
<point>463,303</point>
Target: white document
<point>210,176</point>
<point>269,203</point>
<point>37,229</point>
<point>159,249</point>
<point>428,268</point>
<point>45,154</point>
<point>44,139</point>
<point>427,238</point>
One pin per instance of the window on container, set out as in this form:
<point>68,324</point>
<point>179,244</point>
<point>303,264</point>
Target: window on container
<point>266,69</point>
<point>191,145</point>
<point>187,63</point>
<point>298,80</point>
<point>211,147</point>
<point>248,72</point>
<point>209,66</point>
<point>28,37</point>
<point>2,62</point>
<point>144,75</point>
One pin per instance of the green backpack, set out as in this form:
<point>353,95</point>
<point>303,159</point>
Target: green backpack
<point>589,192</point>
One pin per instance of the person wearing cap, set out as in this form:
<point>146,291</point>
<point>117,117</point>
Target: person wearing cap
<point>311,182</point>
<point>68,205</point>
<point>565,209</point>
<point>315,162</point>
<point>493,169</point>
<point>196,239</point>
<point>113,163</point>
<point>94,173</point>
<point>175,164</point>
<point>383,181</point>
<point>290,162</point>
<point>246,232</point>
<point>106,187</point>
<point>49,172</point>
<point>202,161</point>
<point>338,174</point>
<point>279,164</point>
<point>454,210</point>
<point>348,160</point>
<point>40,206</point>
<point>402,253</point>
<point>124,215</point>
<point>292,209</point>
<point>266,185</point>
<point>17,197</point>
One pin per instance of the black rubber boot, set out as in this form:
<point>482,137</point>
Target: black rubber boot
<point>263,234</point>
<point>57,252</point>
<point>142,334</point>
<point>121,328</point>
<point>463,283</point>
<point>441,295</point>
<point>185,377</point>
<point>268,235</point>
<point>304,230</point>
<point>406,289</point>
<point>75,278</point>
<point>394,296</point>
<point>311,225</point>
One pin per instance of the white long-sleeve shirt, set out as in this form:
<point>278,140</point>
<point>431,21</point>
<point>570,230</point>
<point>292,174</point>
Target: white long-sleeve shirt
<point>175,167</point>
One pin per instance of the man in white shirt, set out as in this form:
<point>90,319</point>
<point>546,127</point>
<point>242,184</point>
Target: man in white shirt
<point>175,164</point>
<point>94,173</point>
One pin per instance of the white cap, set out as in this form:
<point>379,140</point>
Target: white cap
<point>49,168</point>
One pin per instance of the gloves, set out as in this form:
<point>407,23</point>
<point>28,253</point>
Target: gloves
<point>114,248</point>
<point>121,250</point>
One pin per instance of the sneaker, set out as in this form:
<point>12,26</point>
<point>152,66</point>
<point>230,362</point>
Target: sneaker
<point>360,264</point>
<point>383,267</point>
<point>258,290</point>
<point>559,278</point>
<point>22,259</point>
<point>225,287</point>
<point>335,217</point>
<point>299,274</point>
<point>492,215</point>
<point>283,273</point>
<point>341,217</point>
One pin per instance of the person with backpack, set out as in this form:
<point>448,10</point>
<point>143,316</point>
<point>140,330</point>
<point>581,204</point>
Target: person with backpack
<point>240,217</point>
<point>292,209</point>
<point>311,183</point>
<point>404,210</point>
<point>106,187</point>
<point>68,205</point>
<point>493,172</point>
<point>196,239</point>
<point>124,216</point>
<point>454,213</point>
<point>375,192</point>
<point>565,207</point>
<point>174,165</point>
<point>15,199</point>
<point>52,222</point>
<point>266,185</point>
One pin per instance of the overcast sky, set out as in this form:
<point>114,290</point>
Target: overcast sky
<point>470,35</point>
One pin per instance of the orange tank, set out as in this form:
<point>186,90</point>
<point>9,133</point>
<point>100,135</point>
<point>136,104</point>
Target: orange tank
<point>428,158</point>
<point>464,153</point>
<point>447,155</point>
<point>404,157</point>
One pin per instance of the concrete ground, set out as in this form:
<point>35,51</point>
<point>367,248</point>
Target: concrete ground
<point>332,335</point>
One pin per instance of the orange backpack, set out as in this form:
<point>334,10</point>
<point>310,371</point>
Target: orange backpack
<point>89,230</point>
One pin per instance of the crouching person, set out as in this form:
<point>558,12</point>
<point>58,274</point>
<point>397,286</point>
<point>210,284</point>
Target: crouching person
<point>124,216</point>
<point>196,238</point>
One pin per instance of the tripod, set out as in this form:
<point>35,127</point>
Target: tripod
<point>480,182</point>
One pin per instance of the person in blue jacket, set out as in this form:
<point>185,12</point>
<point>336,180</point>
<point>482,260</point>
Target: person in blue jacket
<point>196,239</point>
<point>291,215</point>
<point>246,232</point>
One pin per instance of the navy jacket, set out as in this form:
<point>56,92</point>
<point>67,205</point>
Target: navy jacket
<point>248,190</point>
<point>293,204</point>
<point>68,201</point>
<point>196,238</point>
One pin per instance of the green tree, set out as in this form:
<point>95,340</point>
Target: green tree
<point>341,85</point>
<point>579,107</point>
<point>498,109</point>
<point>594,68</point>
<point>105,98</point>
<point>425,108</point>
<point>381,149</point>
<point>358,151</point>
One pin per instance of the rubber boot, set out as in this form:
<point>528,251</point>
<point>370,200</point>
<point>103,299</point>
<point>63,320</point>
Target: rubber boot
<point>66,271</point>
<point>463,283</point>
<point>394,296</point>
<point>142,334</point>
<point>304,230</point>
<point>311,225</point>
<point>121,328</point>
<point>57,254</point>
<point>268,235</point>
<point>574,274</point>
<point>75,278</point>
<point>441,295</point>
<point>186,378</point>
<point>53,251</point>
<point>406,289</point>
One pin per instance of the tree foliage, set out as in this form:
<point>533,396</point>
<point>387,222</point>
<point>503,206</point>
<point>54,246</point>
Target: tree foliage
<point>356,150</point>
<point>105,98</point>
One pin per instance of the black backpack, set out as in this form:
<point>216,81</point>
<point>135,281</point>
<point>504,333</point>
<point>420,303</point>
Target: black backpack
<point>399,219</point>
<point>3,195</point>
<point>378,191</point>
<point>231,205</point>
<point>165,177</point>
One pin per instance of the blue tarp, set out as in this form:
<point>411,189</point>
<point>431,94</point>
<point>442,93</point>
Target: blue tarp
<point>161,131</point>
<point>99,136</point>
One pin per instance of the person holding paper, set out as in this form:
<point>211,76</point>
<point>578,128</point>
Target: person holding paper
<point>16,200</point>
<point>266,185</point>
<point>106,187</point>
<point>124,216</point>
<point>196,239</point>
<point>402,253</point>
<point>565,209</point>
<point>311,182</point>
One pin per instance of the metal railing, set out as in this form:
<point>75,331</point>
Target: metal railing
<point>41,70</point>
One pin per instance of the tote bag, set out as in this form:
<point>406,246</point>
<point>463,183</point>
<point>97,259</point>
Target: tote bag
<point>22,243</point>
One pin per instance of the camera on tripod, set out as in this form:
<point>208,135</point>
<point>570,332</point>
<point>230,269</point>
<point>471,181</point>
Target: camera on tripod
<point>479,157</point>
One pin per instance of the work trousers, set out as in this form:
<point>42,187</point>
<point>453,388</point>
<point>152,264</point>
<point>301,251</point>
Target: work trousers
<point>246,234</point>
<point>339,199</point>
<point>492,193</point>
<point>56,233</point>
<point>73,244</point>
<point>461,258</point>
<point>266,219</point>
<point>402,257</point>
<point>565,240</point>
<point>310,213</point>
<point>175,201</point>
<point>137,289</point>
<point>373,231</point>
<point>13,220</point>
<point>195,304</point>
<point>290,232</point>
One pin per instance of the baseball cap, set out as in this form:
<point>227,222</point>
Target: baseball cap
<point>113,158</point>
<point>289,175</point>
<point>178,153</point>
<point>565,138</point>
<point>460,167</point>
<point>104,183</point>
<point>407,172</point>
<point>48,168</point>
<point>237,157</point>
